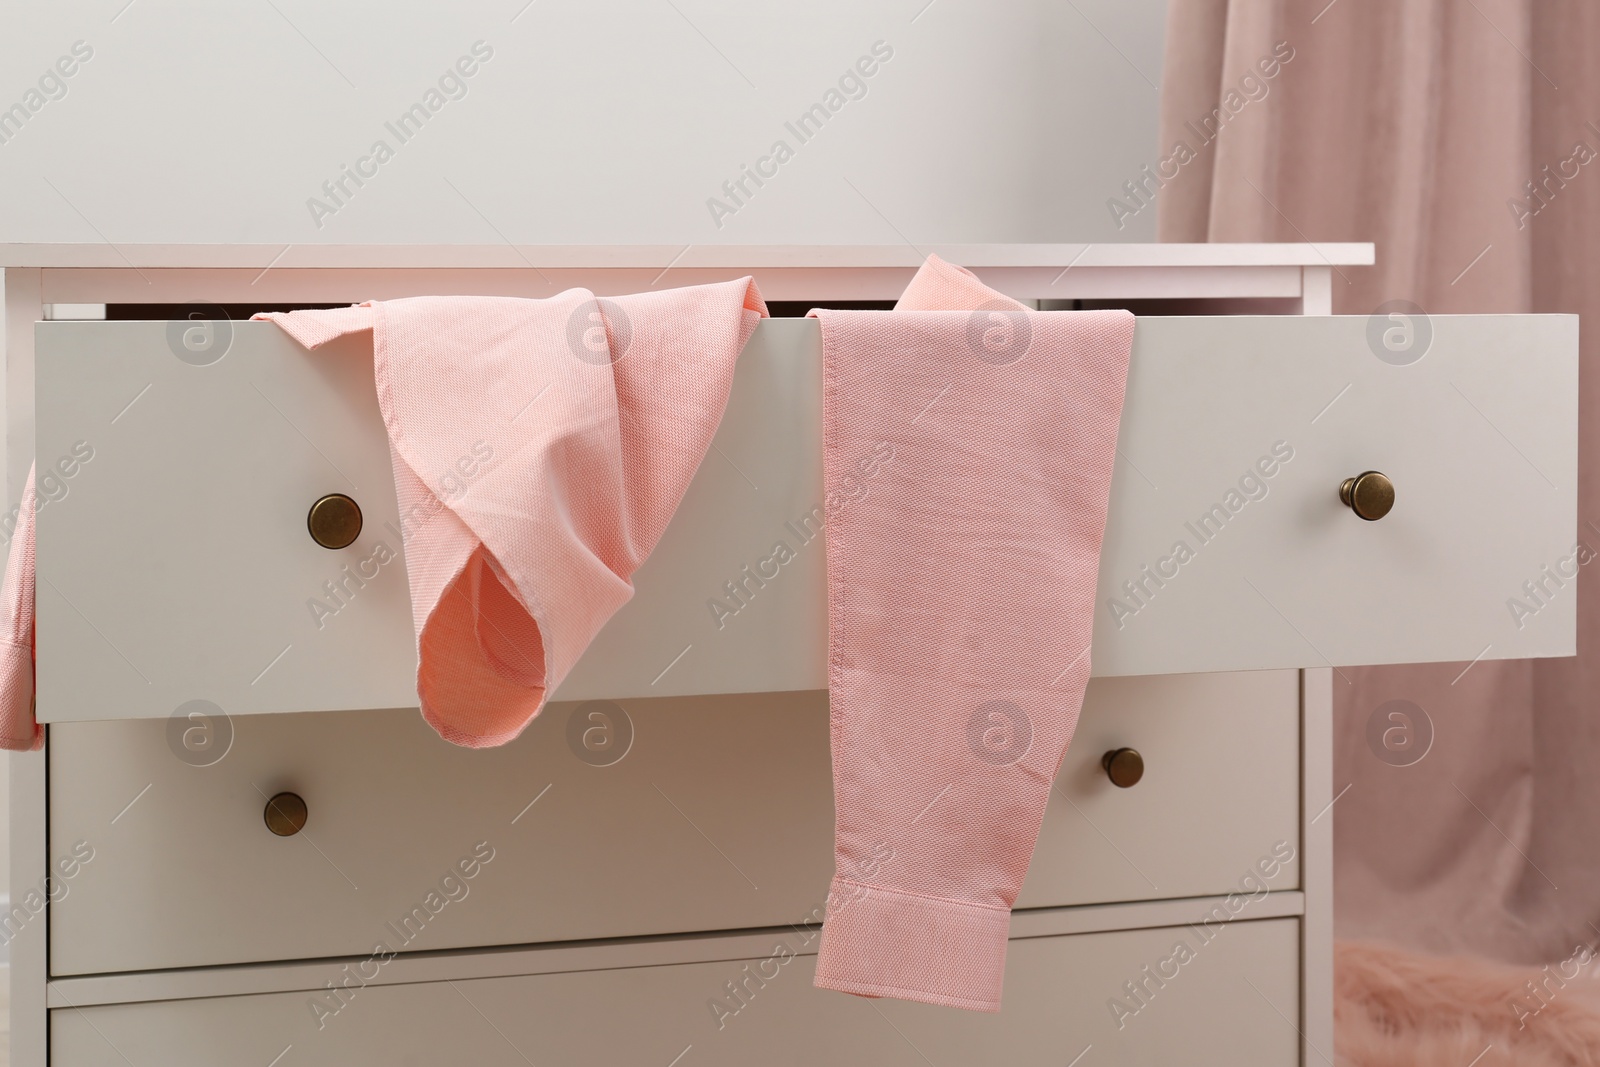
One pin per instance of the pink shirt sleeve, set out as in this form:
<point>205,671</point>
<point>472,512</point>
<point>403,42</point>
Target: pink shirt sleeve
<point>968,445</point>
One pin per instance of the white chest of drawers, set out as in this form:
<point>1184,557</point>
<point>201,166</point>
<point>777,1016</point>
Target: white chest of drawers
<point>664,905</point>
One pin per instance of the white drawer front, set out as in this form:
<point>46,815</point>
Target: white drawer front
<point>1479,437</point>
<point>176,565</point>
<point>719,817</point>
<point>1233,1000</point>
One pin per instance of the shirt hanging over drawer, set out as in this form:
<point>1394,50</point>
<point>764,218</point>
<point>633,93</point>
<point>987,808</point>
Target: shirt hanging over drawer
<point>177,565</point>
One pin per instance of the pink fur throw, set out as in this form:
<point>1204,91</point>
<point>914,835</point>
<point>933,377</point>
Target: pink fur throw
<point>1399,1009</point>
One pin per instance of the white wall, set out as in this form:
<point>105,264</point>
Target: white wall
<point>611,122</point>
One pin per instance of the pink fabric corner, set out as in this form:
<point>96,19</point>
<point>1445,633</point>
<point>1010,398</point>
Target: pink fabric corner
<point>968,448</point>
<point>19,731</point>
<point>539,448</point>
<point>941,286</point>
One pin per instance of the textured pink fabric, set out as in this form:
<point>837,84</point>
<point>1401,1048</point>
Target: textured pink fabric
<point>941,286</point>
<point>18,730</point>
<point>539,449</point>
<point>968,461</point>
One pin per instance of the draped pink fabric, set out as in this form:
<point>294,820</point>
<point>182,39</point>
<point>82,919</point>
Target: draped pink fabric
<point>18,730</point>
<point>539,449</point>
<point>968,447</point>
<point>1464,140</point>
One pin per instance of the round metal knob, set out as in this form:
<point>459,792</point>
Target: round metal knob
<point>285,814</point>
<point>1124,766</point>
<point>334,521</point>
<point>1369,494</point>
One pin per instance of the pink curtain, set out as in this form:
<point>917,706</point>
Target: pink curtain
<point>1419,125</point>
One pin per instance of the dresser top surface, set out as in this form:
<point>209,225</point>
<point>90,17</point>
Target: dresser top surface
<point>662,257</point>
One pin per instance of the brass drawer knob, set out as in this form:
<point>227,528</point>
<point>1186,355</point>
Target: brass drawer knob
<point>1369,494</point>
<point>285,814</point>
<point>1124,766</point>
<point>334,521</point>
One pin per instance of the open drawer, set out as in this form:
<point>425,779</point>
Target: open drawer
<point>174,561</point>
